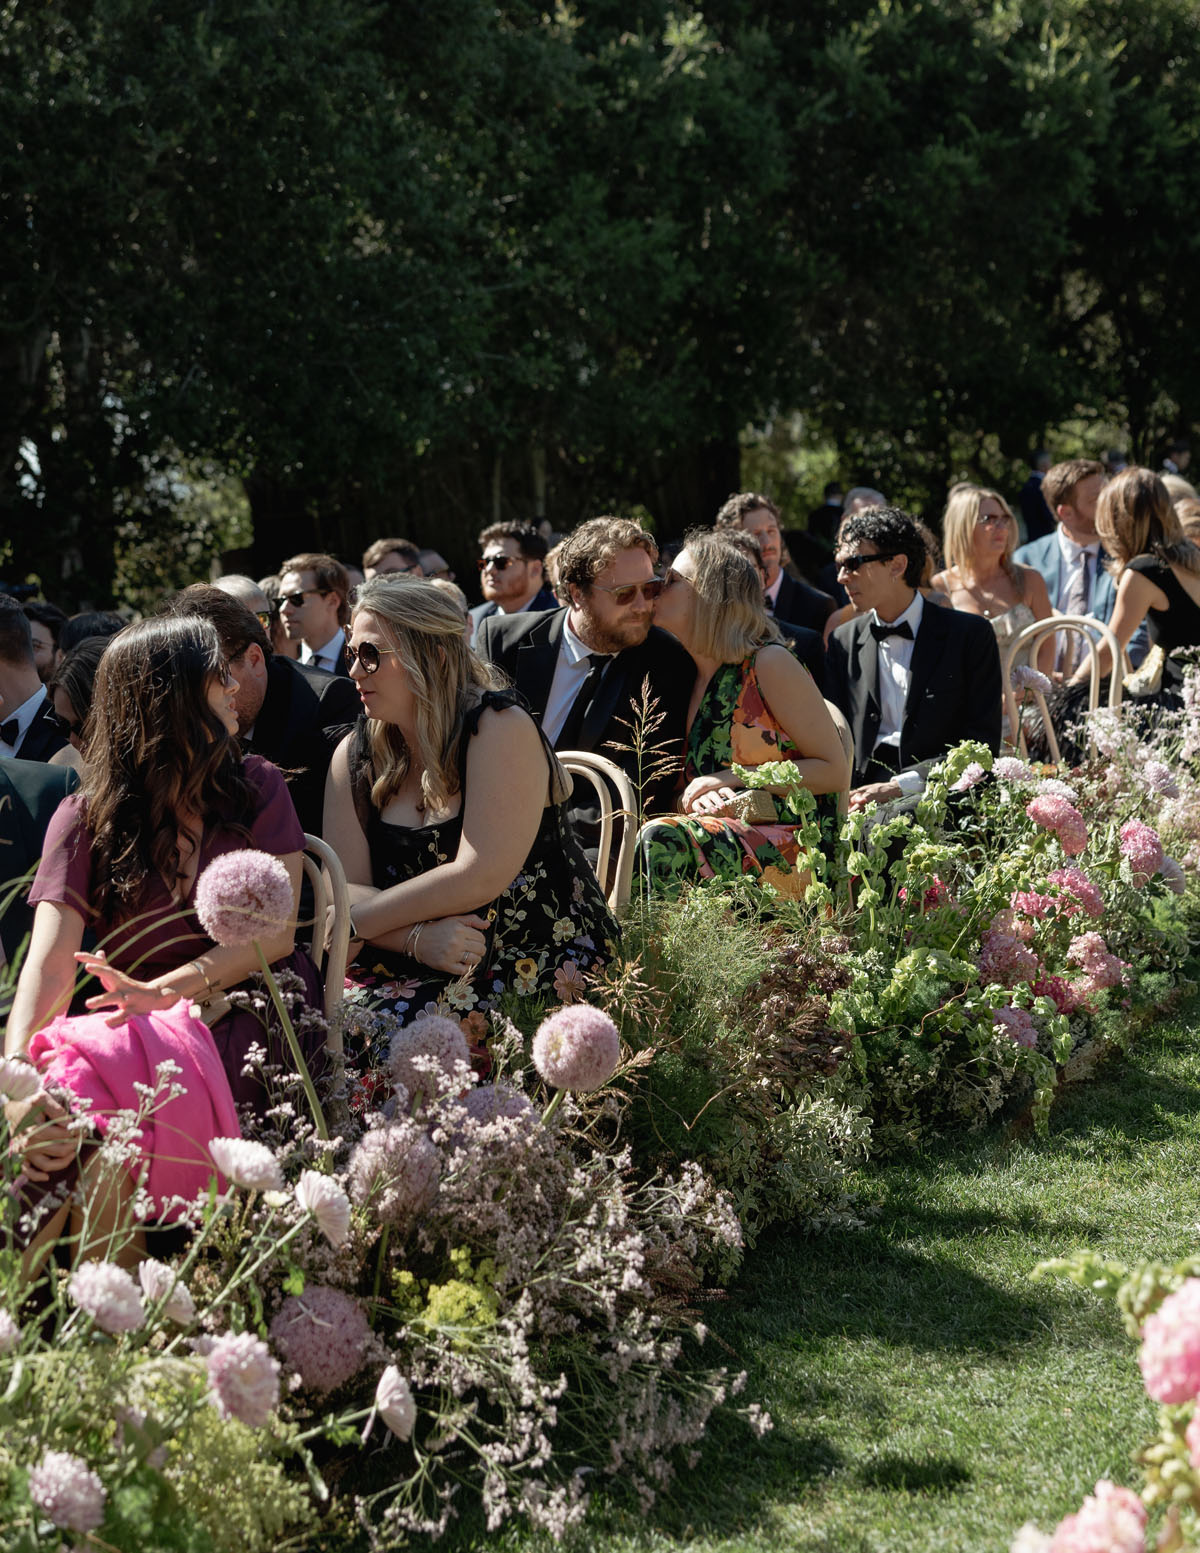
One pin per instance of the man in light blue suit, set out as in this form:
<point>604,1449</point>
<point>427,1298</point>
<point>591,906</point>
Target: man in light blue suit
<point>1071,559</point>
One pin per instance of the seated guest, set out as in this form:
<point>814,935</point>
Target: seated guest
<point>751,702</point>
<point>391,558</point>
<point>911,680</point>
<point>27,728</point>
<point>981,576</point>
<point>1038,518</point>
<point>581,669</point>
<point>281,644</point>
<point>446,807</point>
<point>29,794</point>
<point>787,597</point>
<point>1070,559</point>
<point>71,696</point>
<point>92,622</point>
<point>314,592</point>
<point>932,595</point>
<point>289,713</point>
<point>45,624</point>
<point>512,559</point>
<point>807,645</point>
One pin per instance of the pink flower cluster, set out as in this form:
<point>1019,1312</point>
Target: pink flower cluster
<point>66,1490</point>
<point>1057,814</point>
<point>1158,779</point>
<point>109,1295</point>
<point>1144,850</point>
<point>937,894</point>
<point>242,896</point>
<point>1009,769</point>
<point>1017,1023</point>
<point>1025,677</point>
<point>395,1169</point>
<point>576,1048</point>
<point>1004,954</point>
<point>1074,882</point>
<point>243,1378</point>
<point>1170,1352</point>
<point>1065,996</point>
<point>322,1335</point>
<point>1030,904</point>
<point>430,1056</point>
<point>973,775</point>
<point>1112,1520</point>
<point>1100,968</point>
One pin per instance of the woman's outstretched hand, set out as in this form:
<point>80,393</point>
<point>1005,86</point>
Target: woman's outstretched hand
<point>123,993</point>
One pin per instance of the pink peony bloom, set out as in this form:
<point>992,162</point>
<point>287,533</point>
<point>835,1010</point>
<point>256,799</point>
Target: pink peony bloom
<point>1112,1520</point>
<point>973,774</point>
<point>1075,883</point>
<point>1173,876</point>
<point>428,1045</point>
<point>1017,1024</point>
<point>66,1491</point>
<point>322,1335</point>
<point>1057,814</point>
<point>160,1283</point>
<point>244,895</point>
<point>395,1171</point>
<point>1158,779</point>
<point>491,1101</point>
<point>321,1196</point>
<point>243,1378</point>
<point>1170,1352</point>
<point>10,1333</point>
<point>1144,850</point>
<point>1024,677</point>
<point>576,1048</point>
<point>109,1295</point>
<point>247,1164</point>
<point>394,1403</point>
<point>18,1080</point>
<point>1013,771</point>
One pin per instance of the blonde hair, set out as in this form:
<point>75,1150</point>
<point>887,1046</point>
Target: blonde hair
<point>422,622</point>
<point>1134,516</point>
<point>729,618</point>
<point>958,532</point>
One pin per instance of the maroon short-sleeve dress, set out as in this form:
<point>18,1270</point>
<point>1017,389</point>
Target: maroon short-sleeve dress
<point>161,935</point>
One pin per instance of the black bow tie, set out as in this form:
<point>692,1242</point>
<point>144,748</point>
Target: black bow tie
<point>10,731</point>
<point>880,631</point>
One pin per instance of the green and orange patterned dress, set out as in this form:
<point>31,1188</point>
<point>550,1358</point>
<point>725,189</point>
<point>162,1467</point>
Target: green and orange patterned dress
<point>733,724</point>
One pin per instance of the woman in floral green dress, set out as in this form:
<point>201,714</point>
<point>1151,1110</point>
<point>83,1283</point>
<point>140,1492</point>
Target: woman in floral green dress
<point>753,703</point>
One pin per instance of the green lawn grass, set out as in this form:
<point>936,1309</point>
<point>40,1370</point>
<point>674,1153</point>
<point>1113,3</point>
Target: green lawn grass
<point>925,1393</point>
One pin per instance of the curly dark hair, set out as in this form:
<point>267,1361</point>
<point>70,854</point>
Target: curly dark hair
<point>888,528</point>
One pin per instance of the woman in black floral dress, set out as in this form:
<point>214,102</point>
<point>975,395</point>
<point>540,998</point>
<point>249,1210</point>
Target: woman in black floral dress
<point>446,807</point>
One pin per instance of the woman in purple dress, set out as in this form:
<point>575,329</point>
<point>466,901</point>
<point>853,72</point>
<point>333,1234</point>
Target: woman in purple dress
<point>165,791</point>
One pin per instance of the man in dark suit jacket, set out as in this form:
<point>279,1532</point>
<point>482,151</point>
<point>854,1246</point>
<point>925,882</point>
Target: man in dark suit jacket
<point>289,713</point>
<point>913,680</point>
<point>787,596</point>
<point>29,729</point>
<point>29,794</point>
<point>512,571</point>
<point>581,669</point>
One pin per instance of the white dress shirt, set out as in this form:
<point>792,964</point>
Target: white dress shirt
<point>325,657</point>
<point>572,668</point>
<point>24,715</point>
<point>895,674</point>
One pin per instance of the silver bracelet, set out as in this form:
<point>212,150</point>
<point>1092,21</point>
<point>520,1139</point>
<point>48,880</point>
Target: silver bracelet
<point>410,948</point>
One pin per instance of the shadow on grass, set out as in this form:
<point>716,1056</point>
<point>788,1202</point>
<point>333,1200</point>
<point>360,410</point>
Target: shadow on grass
<point>928,1474</point>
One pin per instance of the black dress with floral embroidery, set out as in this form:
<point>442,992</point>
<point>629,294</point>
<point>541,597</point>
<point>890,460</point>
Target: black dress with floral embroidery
<point>548,928</point>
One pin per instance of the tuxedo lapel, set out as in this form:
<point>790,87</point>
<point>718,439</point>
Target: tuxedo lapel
<point>864,680</point>
<point>535,662</point>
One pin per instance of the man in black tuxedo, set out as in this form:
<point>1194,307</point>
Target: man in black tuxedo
<point>29,729</point>
<point>30,791</point>
<point>581,669</point>
<point>290,713</point>
<point>913,680</point>
<point>787,597</point>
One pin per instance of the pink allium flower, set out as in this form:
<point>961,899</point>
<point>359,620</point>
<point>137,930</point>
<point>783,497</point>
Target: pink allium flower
<point>10,1333</point>
<point>1065,996</point>
<point>570,984</point>
<point>576,1048</point>
<point>109,1295</point>
<point>429,1043</point>
<point>1016,1023</point>
<point>1142,847</point>
<point>490,1102</point>
<point>66,1490</point>
<point>242,896</point>
<point>1074,882</point>
<point>18,1080</point>
<point>1009,769</point>
<point>321,1196</point>
<point>1158,779</point>
<point>1170,1352</point>
<point>394,1403</point>
<point>394,1170</point>
<point>1173,876</point>
<point>1057,814</point>
<point>1112,1520</point>
<point>973,774</point>
<point>247,1164</point>
<point>1101,969</point>
<point>159,1282</point>
<point>322,1335</point>
<point>1192,1437</point>
<point>243,1378</point>
<point>1024,677</point>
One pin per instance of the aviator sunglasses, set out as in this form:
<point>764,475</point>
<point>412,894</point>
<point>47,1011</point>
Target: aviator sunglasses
<point>366,655</point>
<point>625,592</point>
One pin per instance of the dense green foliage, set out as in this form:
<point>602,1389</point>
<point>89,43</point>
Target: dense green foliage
<point>407,268</point>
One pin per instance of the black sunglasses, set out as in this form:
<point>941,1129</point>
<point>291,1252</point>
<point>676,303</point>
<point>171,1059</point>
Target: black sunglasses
<point>366,655</point>
<point>296,600</point>
<point>500,562</point>
<point>851,563</point>
<point>63,724</point>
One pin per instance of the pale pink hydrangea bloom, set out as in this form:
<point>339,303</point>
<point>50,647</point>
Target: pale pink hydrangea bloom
<point>1031,904</point>
<point>242,896</point>
<point>1065,996</point>
<point>973,774</point>
<point>243,1378</point>
<point>109,1295</point>
<point>247,1164</point>
<point>395,1169</point>
<point>1170,1352</point>
<point>1025,677</point>
<point>1009,769</point>
<point>430,1043</point>
<point>1056,814</point>
<point>66,1490</point>
<point>1101,969</point>
<point>576,1048</point>
<point>1158,779</point>
<point>490,1101</point>
<point>18,1080</point>
<point>394,1403</point>
<point>1142,847</point>
<point>159,1282</point>
<point>1004,955</point>
<point>1074,882</point>
<point>321,1196</point>
<point>322,1335</point>
<point>1112,1520</point>
<point>1017,1024</point>
<point>10,1333</point>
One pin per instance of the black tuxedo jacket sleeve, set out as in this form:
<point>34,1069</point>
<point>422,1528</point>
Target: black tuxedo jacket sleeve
<point>43,737</point>
<point>802,604</point>
<point>30,791</point>
<point>808,646</point>
<point>526,648</point>
<point>304,716</point>
<point>953,691</point>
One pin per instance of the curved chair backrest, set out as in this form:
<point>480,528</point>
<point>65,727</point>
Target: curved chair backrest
<point>1030,639</point>
<point>845,733</point>
<point>324,871</point>
<point>607,778</point>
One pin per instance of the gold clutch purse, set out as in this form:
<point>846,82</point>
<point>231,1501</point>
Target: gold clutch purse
<point>753,806</point>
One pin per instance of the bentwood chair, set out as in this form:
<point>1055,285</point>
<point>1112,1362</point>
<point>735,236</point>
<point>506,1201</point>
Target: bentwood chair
<point>609,781</point>
<point>1029,640</point>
